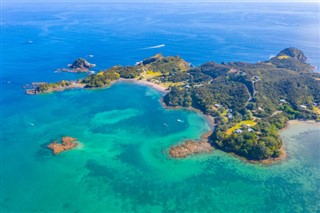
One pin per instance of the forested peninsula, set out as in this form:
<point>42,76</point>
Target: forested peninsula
<point>250,102</point>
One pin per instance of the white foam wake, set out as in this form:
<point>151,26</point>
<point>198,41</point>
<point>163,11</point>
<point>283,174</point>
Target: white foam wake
<point>154,47</point>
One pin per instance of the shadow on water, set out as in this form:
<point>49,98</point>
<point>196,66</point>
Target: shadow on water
<point>44,153</point>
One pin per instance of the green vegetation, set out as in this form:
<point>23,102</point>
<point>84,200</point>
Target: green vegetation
<point>165,65</point>
<point>264,95</point>
<point>246,123</point>
<point>102,78</point>
<point>273,91</point>
<point>44,87</point>
<point>255,142</point>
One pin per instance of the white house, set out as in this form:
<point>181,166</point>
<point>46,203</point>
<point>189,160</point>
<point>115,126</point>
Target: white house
<point>238,131</point>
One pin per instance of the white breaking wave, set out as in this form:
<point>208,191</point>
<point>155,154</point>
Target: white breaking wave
<point>154,47</point>
<point>271,56</point>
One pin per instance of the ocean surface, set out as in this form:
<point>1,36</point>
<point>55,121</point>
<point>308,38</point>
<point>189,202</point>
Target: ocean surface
<point>121,164</point>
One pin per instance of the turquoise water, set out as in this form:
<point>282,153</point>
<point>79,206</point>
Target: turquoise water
<point>121,164</point>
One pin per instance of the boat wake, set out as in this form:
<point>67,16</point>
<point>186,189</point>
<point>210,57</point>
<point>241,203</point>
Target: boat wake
<point>154,47</point>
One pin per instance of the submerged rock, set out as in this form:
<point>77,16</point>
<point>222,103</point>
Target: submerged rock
<point>66,144</point>
<point>190,148</point>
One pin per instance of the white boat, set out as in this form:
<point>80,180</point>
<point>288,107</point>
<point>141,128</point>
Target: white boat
<point>180,121</point>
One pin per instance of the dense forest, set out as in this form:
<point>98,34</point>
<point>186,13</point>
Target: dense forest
<point>250,102</point>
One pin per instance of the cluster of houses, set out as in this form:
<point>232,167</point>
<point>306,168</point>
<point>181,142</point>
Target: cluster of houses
<point>302,105</point>
<point>284,101</point>
<point>245,126</point>
<point>229,111</point>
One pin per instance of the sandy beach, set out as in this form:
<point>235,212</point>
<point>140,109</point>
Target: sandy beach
<point>158,87</point>
<point>295,122</point>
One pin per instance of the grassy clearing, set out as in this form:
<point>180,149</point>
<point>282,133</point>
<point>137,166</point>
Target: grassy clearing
<point>152,74</point>
<point>171,84</point>
<point>316,110</point>
<point>239,125</point>
<point>283,57</point>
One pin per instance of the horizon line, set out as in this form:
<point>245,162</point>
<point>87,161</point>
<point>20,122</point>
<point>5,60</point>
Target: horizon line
<point>158,1</point>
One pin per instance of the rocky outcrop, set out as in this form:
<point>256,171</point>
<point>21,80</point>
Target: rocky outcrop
<point>66,144</point>
<point>80,65</point>
<point>293,53</point>
<point>190,148</point>
<point>152,59</point>
<point>292,59</point>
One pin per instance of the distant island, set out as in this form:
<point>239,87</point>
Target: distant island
<point>80,65</point>
<point>249,102</point>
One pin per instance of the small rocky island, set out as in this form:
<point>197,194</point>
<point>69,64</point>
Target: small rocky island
<point>79,65</point>
<point>67,143</point>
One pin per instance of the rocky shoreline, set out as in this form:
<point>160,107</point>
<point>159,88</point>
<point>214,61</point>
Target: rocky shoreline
<point>191,147</point>
<point>72,85</point>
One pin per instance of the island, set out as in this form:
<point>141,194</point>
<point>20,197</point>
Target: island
<point>67,143</point>
<point>79,65</point>
<point>250,102</point>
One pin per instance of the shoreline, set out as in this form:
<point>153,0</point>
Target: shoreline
<point>73,86</point>
<point>204,138</point>
<point>155,86</point>
<point>187,148</point>
<point>265,162</point>
<point>295,122</point>
<point>158,87</point>
<point>208,118</point>
<point>284,154</point>
<point>76,85</point>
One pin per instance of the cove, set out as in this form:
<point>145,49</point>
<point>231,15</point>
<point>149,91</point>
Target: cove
<point>120,165</point>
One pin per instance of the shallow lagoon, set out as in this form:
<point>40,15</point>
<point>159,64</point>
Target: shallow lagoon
<point>122,166</point>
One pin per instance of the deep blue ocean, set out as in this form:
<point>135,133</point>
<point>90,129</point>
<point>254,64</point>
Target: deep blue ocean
<point>121,165</point>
